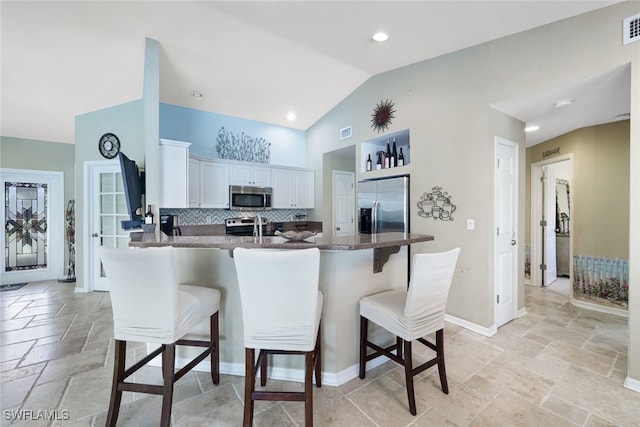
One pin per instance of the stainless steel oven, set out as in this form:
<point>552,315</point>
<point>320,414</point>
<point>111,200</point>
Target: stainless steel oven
<point>249,198</point>
<point>244,226</point>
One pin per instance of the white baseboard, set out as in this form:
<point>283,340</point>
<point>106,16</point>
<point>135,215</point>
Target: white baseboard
<point>601,308</point>
<point>632,384</point>
<point>295,375</point>
<point>522,312</point>
<point>488,332</point>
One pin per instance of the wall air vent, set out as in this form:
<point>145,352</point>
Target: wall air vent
<point>345,132</point>
<point>631,29</point>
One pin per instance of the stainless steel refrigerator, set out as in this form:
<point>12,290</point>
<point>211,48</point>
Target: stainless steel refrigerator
<point>384,205</point>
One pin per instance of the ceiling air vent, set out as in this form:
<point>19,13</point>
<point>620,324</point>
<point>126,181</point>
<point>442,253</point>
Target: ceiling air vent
<point>631,29</point>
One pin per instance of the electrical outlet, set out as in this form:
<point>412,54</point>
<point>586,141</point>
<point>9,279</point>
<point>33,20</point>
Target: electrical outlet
<point>471,224</point>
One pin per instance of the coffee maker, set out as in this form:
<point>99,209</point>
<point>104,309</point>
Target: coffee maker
<point>169,225</point>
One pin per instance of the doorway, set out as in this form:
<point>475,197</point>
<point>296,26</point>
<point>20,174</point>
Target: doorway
<point>344,201</point>
<point>551,224</point>
<point>506,225</point>
<point>33,215</point>
<point>107,207</point>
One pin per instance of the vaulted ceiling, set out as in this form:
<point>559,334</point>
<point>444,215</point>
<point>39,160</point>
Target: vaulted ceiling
<point>257,60</point>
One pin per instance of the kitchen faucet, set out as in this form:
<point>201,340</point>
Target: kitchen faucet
<point>257,226</point>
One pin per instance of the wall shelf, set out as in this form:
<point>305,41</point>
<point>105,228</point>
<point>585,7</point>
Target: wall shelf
<point>372,146</point>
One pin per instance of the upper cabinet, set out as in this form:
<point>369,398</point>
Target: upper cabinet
<point>194,182</point>
<point>214,184</point>
<point>240,174</point>
<point>197,182</point>
<point>292,188</point>
<point>174,176</point>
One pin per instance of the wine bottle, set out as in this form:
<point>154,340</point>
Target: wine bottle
<point>369,163</point>
<point>394,155</point>
<point>148,217</point>
<point>400,158</point>
<point>387,156</point>
<point>379,162</point>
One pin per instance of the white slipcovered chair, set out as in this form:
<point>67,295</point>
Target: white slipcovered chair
<point>411,315</point>
<point>149,305</point>
<point>281,309</point>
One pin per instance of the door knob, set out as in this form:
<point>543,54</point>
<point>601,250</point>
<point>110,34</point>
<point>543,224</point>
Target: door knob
<point>94,235</point>
<point>513,243</point>
<point>338,228</point>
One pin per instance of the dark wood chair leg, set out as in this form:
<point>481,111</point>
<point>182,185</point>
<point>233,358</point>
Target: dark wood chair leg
<point>317,358</point>
<point>264,357</point>
<point>249,386</point>
<point>308,389</point>
<point>168,369</point>
<point>441,367</point>
<point>408,374</point>
<point>364,324</point>
<point>215,353</point>
<point>120,352</point>
<point>399,347</point>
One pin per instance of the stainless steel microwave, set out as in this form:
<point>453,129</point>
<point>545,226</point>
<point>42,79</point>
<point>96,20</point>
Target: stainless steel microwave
<point>249,198</point>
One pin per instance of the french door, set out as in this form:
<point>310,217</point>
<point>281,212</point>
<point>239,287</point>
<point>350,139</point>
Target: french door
<point>107,208</point>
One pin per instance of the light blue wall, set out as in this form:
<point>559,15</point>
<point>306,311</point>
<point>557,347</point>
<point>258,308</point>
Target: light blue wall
<point>200,128</point>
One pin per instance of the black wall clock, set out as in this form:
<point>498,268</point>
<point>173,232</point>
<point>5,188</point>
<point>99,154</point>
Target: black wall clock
<point>109,145</point>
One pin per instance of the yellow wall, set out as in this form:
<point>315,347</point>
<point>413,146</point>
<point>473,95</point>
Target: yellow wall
<point>599,189</point>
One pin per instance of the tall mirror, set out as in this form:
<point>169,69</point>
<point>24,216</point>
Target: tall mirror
<point>563,216</point>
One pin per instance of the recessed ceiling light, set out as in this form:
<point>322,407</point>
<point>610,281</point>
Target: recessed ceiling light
<point>563,103</point>
<point>196,94</point>
<point>531,128</point>
<point>291,115</point>
<point>380,36</point>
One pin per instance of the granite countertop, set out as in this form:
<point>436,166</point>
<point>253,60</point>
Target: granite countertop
<point>357,242</point>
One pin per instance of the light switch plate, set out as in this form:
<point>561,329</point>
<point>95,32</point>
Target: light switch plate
<point>471,224</point>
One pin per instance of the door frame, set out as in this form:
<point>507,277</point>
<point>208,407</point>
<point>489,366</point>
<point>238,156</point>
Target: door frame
<point>536,217</point>
<point>55,225</point>
<point>515,227</point>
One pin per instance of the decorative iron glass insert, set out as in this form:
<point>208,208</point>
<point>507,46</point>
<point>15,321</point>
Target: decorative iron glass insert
<point>26,227</point>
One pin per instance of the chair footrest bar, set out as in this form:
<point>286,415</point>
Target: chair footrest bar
<point>186,368</point>
<point>293,396</point>
<point>431,345</point>
<point>425,366</point>
<point>139,364</point>
<point>194,343</point>
<point>141,388</point>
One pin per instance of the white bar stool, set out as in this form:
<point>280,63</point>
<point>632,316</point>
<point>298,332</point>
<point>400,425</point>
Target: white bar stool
<point>410,315</point>
<point>149,305</point>
<point>281,309</point>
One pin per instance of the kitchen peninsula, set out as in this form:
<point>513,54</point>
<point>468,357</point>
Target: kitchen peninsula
<point>350,267</point>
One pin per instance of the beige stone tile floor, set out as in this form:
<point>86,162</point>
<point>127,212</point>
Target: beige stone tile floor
<point>556,366</point>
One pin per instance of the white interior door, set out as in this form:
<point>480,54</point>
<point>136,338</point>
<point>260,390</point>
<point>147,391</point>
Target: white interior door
<point>107,208</point>
<point>33,218</point>
<point>343,203</point>
<point>506,255</point>
<point>549,230</point>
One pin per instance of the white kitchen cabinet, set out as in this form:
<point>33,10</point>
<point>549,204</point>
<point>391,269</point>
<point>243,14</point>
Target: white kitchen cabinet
<point>214,184</point>
<point>249,175</point>
<point>292,188</point>
<point>194,182</point>
<point>174,176</point>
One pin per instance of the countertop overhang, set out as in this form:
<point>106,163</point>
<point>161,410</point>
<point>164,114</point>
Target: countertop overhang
<point>346,243</point>
<point>383,244</point>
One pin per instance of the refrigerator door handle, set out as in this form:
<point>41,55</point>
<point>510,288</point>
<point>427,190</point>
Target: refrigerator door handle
<point>374,217</point>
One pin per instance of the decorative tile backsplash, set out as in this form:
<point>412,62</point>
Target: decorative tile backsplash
<point>200,216</point>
